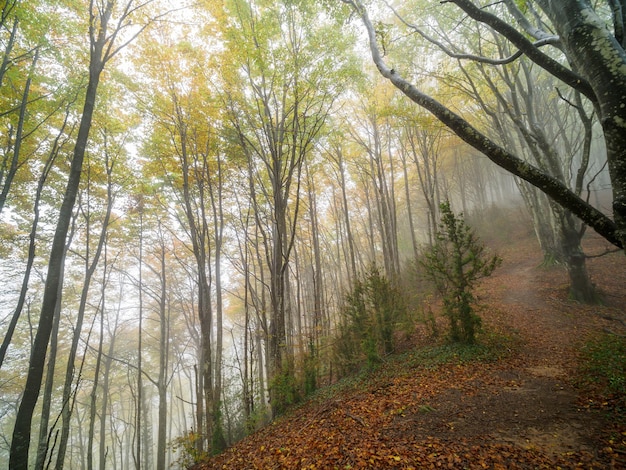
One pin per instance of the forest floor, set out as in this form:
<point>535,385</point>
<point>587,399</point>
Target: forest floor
<point>516,402</point>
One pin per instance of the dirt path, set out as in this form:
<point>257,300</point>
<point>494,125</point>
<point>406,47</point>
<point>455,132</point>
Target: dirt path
<point>537,407</point>
<point>541,407</point>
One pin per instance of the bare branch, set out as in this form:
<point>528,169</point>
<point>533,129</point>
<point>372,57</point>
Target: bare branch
<point>534,31</point>
<point>553,67</point>
<point>552,40</point>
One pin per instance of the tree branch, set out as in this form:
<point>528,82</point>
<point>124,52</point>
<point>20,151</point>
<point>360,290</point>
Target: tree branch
<point>547,39</point>
<point>564,74</point>
<point>526,25</point>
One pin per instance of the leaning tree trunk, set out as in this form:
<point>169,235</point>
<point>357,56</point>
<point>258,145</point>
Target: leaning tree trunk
<point>43,446</point>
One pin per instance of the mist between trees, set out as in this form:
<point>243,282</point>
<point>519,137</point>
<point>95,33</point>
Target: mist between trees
<point>193,195</point>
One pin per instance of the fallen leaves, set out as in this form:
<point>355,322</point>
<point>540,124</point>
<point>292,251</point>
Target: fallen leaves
<point>368,429</point>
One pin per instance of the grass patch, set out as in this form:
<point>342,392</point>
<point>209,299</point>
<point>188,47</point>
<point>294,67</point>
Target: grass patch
<point>490,347</point>
<point>603,365</point>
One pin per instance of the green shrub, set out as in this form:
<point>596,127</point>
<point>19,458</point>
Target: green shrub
<point>310,370</point>
<point>218,439</point>
<point>284,392</point>
<point>187,447</point>
<point>454,264</point>
<point>371,314</point>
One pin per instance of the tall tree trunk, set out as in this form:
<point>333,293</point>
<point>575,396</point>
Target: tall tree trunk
<point>93,399</point>
<point>352,273</point>
<point>199,414</point>
<point>104,407</point>
<point>54,152</point>
<point>139,404</point>
<point>217,206</point>
<point>90,268</point>
<point>318,276</point>
<point>21,432</point>
<point>101,50</point>
<point>409,205</point>
<point>45,434</point>
<point>163,361</point>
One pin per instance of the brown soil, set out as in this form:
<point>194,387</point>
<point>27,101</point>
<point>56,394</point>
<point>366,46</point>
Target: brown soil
<point>523,411</point>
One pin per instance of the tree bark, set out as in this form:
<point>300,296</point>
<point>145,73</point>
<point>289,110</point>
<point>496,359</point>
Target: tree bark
<point>163,361</point>
<point>216,189</point>
<point>44,433</point>
<point>598,56</point>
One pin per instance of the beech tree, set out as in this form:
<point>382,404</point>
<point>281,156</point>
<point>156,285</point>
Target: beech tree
<point>421,142</point>
<point>372,131</point>
<point>526,111</point>
<point>592,42</point>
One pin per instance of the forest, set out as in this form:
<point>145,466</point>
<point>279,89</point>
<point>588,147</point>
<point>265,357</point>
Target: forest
<point>211,209</point>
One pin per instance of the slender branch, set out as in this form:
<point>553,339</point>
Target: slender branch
<point>547,40</point>
<point>553,67</point>
<point>534,31</point>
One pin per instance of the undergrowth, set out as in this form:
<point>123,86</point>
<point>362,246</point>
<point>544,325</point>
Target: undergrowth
<point>603,365</point>
<point>490,347</point>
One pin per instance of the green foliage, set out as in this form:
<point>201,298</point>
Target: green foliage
<point>284,391</point>
<point>492,347</point>
<point>187,447</point>
<point>372,312</point>
<point>256,420</point>
<point>455,262</point>
<point>310,370</point>
<point>218,440</point>
<point>604,364</point>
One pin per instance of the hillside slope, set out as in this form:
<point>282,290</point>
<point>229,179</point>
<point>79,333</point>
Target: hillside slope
<point>511,404</point>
